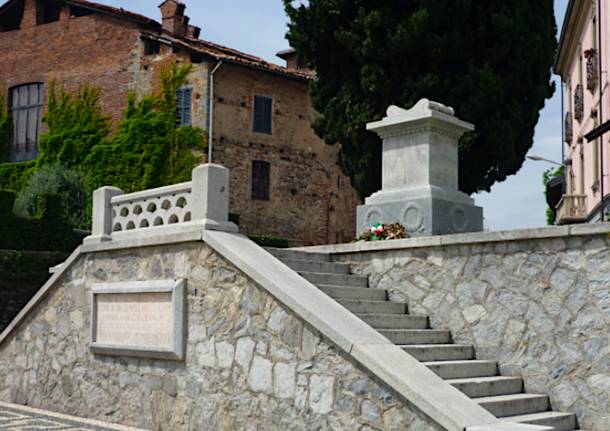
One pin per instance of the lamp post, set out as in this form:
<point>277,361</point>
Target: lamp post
<point>542,159</point>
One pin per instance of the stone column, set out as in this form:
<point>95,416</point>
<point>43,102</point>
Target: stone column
<point>211,197</point>
<point>420,173</point>
<point>101,228</point>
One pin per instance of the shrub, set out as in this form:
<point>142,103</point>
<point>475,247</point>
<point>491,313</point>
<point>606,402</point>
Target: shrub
<point>269,241</point>
<point>56,180</point>
<point>48,232</point>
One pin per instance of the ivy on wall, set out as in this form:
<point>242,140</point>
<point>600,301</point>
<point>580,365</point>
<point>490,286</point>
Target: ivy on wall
<point>148,150</point>
<point>5,127</point>
<point>75,125</point>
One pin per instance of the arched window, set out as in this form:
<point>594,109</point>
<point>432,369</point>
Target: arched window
<point>26,107</point>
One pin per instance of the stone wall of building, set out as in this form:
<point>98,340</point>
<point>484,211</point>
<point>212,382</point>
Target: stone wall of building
<point>249,365</point>
<point>311,201</point>
<point>540,307</point>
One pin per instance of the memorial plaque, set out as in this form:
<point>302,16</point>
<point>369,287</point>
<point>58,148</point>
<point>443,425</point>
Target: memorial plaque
<point>138,319</point>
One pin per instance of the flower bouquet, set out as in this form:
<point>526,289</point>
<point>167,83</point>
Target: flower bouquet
<point>382,232</point>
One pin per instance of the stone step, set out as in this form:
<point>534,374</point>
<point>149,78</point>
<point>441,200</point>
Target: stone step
<point>354,292</point>
<point>440,352</point>
<point>285,253</point>
<point>328,279</point>
<point>394,321</point>
<point>374,307</point>
<point>488,386</point>
<point>417,336</point>
<point>463,369</point>
<point>560,421</point>
<point>512,405</point>
<point>316,266</point>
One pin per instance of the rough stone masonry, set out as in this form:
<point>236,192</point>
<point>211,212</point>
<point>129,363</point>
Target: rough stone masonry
<point>539,306</point>
<point>249,365</point>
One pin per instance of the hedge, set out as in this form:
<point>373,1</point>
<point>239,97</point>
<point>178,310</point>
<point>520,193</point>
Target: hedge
<point>269,241</point>
<point>28,266</point>
<point>50,232</point>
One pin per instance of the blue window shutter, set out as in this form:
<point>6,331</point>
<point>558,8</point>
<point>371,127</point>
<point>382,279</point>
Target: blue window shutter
<point>187,101</point>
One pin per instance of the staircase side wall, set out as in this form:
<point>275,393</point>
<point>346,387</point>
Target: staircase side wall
<point>541,307</point>
<point>250,364</point>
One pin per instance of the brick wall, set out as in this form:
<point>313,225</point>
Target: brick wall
<point>310,200</point>
<point>95,49</point>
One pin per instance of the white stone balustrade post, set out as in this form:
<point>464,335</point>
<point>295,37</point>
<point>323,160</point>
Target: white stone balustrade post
<point>101,228</point>
<point>210,197</point>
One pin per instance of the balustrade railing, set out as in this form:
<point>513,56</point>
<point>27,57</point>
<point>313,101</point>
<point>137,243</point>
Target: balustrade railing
<point>572,209</point>
<point>592,69</point>
<point>202,202</point>
<point>579,103</point>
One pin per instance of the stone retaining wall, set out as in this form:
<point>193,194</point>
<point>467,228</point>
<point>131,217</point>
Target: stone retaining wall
<point>541,306</point>
<point>249,363</point>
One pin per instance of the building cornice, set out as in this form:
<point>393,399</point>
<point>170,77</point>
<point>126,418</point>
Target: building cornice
<point>576,15</point>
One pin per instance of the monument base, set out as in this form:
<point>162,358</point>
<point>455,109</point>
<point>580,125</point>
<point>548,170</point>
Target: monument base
<point>423,211</point>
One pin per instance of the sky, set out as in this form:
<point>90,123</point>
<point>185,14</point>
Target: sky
<point>259,28</point>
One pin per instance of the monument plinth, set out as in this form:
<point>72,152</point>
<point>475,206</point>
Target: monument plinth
<point>420,173</point>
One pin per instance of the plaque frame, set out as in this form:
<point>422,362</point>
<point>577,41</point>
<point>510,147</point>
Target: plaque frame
<point>178,342</point>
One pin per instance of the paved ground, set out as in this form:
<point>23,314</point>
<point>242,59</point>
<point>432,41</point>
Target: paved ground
<point>18,418</point>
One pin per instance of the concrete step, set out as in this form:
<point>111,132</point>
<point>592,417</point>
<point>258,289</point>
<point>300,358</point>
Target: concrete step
<point>286,253</point>
<point>512,405</point>
<point>560,421</point>
<point>316,266</point>
<point>463,369</point>
<point>335,279</point>
<point>416,336</point>
<point>488,386</point>
<point>375,307</point>
<point>394,321</point>
<point>354,292</point>
<point>440,352</point>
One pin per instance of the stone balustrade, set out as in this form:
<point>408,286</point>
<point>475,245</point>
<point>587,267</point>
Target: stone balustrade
<point>201,202</point>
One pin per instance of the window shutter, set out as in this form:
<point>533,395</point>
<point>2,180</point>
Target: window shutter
<point>260,180</point>
<point>262,114</point>
<point>179,104</point>
<point>187,101</point>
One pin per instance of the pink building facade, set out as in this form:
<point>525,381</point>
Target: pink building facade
<point>582,62</point>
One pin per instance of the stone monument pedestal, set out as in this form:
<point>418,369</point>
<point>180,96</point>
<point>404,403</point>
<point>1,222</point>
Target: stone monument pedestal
<point>420,173</point>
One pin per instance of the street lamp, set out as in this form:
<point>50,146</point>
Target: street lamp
<point>542,159</point>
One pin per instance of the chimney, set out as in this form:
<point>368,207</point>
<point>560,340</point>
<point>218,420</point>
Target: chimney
<point>292,60</point>
<point>174,20</point>
<point>193,32</point>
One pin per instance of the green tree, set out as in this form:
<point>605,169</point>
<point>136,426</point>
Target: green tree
<point>149,150</point>
<point>75,124</point>
<point>547,176</point>
<point>490,60</point>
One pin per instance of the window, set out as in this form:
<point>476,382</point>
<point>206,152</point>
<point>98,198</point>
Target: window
<point>262,114</point>
<point>184,99</point>
<point>151,47</point>
<point>47,11</point>
<point>26,105</point>
<point>260,180</point>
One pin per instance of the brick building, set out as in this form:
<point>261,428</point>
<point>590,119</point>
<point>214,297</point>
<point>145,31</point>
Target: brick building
<point>284,179</point>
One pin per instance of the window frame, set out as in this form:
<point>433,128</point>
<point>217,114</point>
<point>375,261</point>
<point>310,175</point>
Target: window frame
<point>181,118</point>
<point>266,128</point>
<point>30,146</point>
<point>260,191</point>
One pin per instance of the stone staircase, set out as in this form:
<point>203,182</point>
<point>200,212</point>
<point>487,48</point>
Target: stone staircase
<point>503,396</point>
